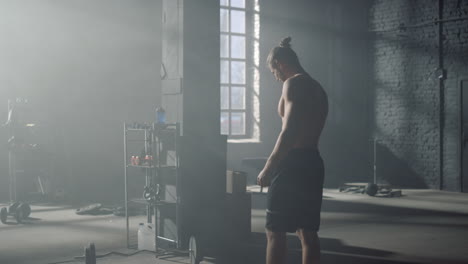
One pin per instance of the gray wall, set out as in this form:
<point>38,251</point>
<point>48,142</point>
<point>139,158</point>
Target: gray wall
<point>329,38</point>
<point>88,66</point>
<point>406,91</point>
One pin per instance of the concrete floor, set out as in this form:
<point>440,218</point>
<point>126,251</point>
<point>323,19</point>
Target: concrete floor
<point>423,226</point>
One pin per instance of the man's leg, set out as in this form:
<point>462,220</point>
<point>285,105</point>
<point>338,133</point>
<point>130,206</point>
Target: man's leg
<point>276,247</point>
<point>310,246</point>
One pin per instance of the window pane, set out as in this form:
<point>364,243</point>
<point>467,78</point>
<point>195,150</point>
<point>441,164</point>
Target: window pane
<point>224,123</point>
<point>238,3</point>
<point>238,72</point>
<point>238,123</point>
<point>238,47</point>
<point>224,46</point>
<point>224,2</point>
<point>224,71</point>
<point>224,97</point>
<point>238,21</point>
<point>238,98</point>
<point>224,16</point>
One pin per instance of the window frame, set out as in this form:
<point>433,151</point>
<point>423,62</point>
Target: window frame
<point>248,85</point>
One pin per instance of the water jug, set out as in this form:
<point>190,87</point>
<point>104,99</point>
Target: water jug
<point>146,237</point>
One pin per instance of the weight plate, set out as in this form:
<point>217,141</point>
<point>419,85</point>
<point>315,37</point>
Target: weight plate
<point>3,215</point>
<point>194,251</point>
<point>371,189</point>
<point>26,210</point>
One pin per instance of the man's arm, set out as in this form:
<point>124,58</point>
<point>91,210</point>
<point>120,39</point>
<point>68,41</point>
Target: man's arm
<point>288,134</point>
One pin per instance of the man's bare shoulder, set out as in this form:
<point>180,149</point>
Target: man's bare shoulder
<point>301,85</point>
<point>302,80</point>
<point>293,88</point>
<point>296,80</point>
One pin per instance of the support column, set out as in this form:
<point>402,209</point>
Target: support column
<point>190,75</point>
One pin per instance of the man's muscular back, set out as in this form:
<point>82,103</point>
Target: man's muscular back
<point>312,106</point>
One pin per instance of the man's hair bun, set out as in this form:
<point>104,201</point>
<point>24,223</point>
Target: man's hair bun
<point>285,43</point>
<point>283,53</point>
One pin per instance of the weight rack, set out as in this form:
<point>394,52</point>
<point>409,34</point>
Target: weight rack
<point>160,172</point>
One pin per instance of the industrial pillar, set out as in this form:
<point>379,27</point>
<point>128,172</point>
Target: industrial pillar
<point>190,74</point>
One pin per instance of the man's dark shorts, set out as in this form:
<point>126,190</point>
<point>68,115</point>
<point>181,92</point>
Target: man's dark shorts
<point>294,197</point>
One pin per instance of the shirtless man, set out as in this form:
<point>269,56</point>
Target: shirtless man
<point>294,171</point>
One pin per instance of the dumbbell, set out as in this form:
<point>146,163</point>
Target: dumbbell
<point>371,189</point>
<point>19,210</point>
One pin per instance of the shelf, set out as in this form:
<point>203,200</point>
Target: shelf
<point>167,167</point>
<point>141,166</point>
<point>139,200</point>
<point>157,127</point>
<point>144,201</point>
<point>138,129</point>
<point>167,203</point>
<point>160,139</point>
<point>166,129</point>
<point>152,167</point>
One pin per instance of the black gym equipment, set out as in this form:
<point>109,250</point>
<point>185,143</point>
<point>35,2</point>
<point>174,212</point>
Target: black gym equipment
<point>16,141</point>
<point>24,207</point>
<point>4,215</point>
<point>194,251</point>
<point>19,211</point>
<point>92,209</point>
<point>200,246</point>
<point>371,189</point>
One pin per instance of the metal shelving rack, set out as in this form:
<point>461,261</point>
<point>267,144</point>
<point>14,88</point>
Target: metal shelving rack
<point>157,137</point>
<point>11,123</point>
<point>19,145</point>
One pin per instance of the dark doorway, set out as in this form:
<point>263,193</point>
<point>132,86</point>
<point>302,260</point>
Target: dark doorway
<point>464,135</point>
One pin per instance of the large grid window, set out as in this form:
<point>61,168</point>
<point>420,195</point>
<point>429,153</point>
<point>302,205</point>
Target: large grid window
<point>233,68</point>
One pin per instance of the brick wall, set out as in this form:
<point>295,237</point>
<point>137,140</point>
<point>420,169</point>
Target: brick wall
<point>406,94</point>
<point>329,38</point>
